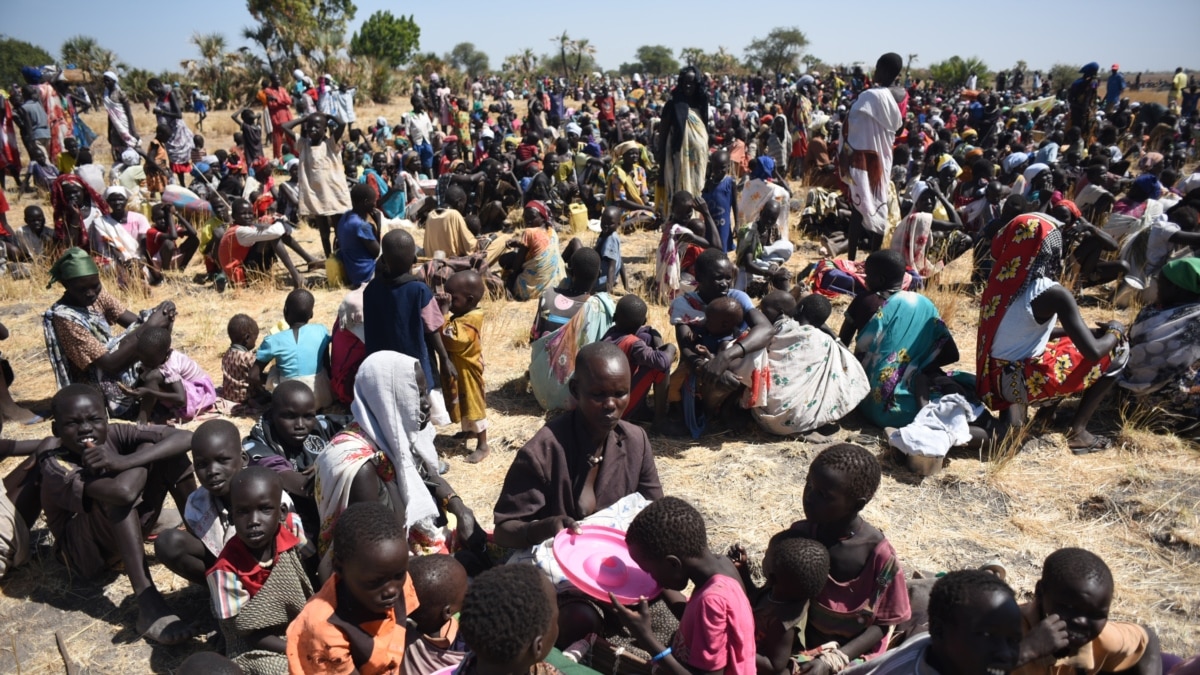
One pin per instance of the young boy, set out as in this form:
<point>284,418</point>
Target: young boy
<point>463,340</point>
<point>864,571</point>
<point>358,242</point>
<point>649,357</point>
<point>356,622</point>
<point>300,353</point>
<point>510,622</point>
<point>287,439</point>
<point>608,245</point>
<point>974,629</point>
<point>399,299</point>
<point>1066,627</point>
<point>436,641</point>
<point>716,625</point>
<point>35,238</point>
<point>796,569</point>
<point>250,244</point>
<point>102,490</point>
<point>761,251</point>
<point>258,583</point>
<point>252,141</point>
<point>238,361</point>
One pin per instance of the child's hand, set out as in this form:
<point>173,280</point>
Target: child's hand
<point>815,667</point>
<point>1047,638</point>
<point>737,553</point>
<point>636,620</point>
<point>102,459</point>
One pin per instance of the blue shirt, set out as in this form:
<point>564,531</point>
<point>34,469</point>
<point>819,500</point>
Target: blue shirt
<point>296,357</point>
<point>609,249</point>
<point>352,231</point>
<point>393,320</point>
<point>1115,85</point>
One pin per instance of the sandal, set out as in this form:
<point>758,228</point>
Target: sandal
<point>1098,444</point>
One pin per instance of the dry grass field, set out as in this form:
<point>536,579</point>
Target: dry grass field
<point>1137,505</point>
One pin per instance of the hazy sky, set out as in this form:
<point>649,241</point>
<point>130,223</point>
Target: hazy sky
<point>154,34</point>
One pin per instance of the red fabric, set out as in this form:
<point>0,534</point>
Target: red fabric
<point>236,559</point>
<point>641,377</point>
<point>688,262</point>
<point>231,255</point>
<point>1014,249</point>
<point>59,203</point>
<point>1060,371</point>
<point>346,355</point>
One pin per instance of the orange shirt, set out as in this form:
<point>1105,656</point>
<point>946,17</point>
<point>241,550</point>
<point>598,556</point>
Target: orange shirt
<point>317,647</point>
<point>1119,647</point>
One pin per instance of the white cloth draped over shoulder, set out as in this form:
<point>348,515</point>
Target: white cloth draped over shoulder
<point>866,158</point>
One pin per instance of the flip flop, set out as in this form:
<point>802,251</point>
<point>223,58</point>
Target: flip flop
<point>161,625</point>
<point>1099,444</point>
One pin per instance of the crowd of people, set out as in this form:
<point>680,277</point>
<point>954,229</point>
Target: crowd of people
<point>334,543</point>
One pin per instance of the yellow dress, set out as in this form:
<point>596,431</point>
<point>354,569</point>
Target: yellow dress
<point>465,401</point>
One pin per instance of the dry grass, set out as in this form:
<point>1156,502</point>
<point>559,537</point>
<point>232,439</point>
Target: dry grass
<point>1137,505</point>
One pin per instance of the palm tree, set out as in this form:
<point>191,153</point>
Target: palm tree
<point>528,60</point>
<point>565,44</point>
<point>908,66</point>
<point>263,35</point>
<point>582,47</point>
<point>209,71</point>
<point>81,51</point>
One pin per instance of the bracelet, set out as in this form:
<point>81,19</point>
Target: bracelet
<point>661,655</point>
<point>447,498</point>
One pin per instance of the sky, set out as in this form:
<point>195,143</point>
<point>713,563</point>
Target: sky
<point>153,34</point>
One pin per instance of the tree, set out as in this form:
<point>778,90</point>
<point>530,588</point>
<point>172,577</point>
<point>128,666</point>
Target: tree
<point>16,53</point>
<point>565,44</point>
<point>522,63</point>
<point>294,24</point>
<point>1061,75</point>
<point>954,71</point>
<point>779,51</point>
<point>583,50</point>
<point>656,60</point>
<point>692,56</point>
<point>468,59</point>
<point>387,38</point>
<point>210,71</point>
<point>82,51</point>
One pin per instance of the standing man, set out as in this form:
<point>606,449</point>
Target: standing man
<point>865,161</point>
<point>1113,88</point>
<point>275,97</point>
<point>1175,98</point>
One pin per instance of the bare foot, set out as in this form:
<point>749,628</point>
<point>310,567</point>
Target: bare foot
<point>481,451</point>
<point>316,265</point>
<point>156,621</point>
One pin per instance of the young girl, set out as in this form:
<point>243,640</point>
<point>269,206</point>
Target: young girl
<point>356,622</point>
<point>170,378</point>
<point>865,597</point>
<point>716,626</point>
<point>795,568</point>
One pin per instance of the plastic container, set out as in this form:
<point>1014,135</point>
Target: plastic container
<point>578,218</point>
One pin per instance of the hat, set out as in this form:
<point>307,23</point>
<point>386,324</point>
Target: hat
<point>1090,69</point>
<point>115,190</point>
<point>1116,66</point>
<point>73,264</point>
<point>1184,273</point>
<point>110,75</point>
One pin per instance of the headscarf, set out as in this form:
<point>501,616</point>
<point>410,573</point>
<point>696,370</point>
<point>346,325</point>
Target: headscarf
<point>540,207</point>
<point>625,147</point>
<point>1184,273</point>
<point>762,168</point>
<point>573,128</point>
<point>1028,248</point>
<point>73,264</point>
<point>1011,162</point>
<point>1145,186</point>
<point>918,188</point>
<point>1031,172</point>
<point>58,201</point>
<point>1090,69</point>
<point>386,406</point>
<point>115,190</point>
<point>110,75</point>
<point>948,162</point>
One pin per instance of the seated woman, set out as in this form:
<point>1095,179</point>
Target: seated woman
<point>903,344</point>
<point>535,262</point>
<point>764,186</point>
<point>79,333</point>
<point>814,379</point>
<point>579,463</point>
<point>761,252</point>
<point>916,231</point>
<point>76,207</point>
<point>628,187</point>
<point>387,455</point>
<point>1164,347</point>
<point>1022,357</point>
<point>571,318</point>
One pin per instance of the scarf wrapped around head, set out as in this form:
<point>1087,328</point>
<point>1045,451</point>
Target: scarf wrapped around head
<point>1031,172</point>
<point>1184,273</point>
<point>1145,186</point>
<point>73,264</point>
<point>625,147</point>
<point>58,201</point>
<point>762,168</point>
<point>540,207</point>
<point>1014,160</point>
<point>387,403</point>
<point>1028,248</point>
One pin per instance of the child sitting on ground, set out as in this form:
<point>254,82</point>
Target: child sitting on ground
<point>796,569</point>
<point>300,353</point>
<point>649,357</point>
<point>608,245</point>
<point>436,641</point>
<point>974,629</point>
<point>237,363</point>
<point>761,252</point>
<point>866,596</point>
<point>103,488</point>
<point>777,305</point>
<point>218,458</point>
<point>287,439</point>
<point>463,339</point>
<point>716,625</point>
<point>1066,627</point>
<point>258,584</point>
<point>884,271</point>
<point>814,310</point>
<point>172,384</point>
<point>510,622</point>
<point>356,622</point>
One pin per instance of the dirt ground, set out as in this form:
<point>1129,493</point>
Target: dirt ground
<point>1137,505</point>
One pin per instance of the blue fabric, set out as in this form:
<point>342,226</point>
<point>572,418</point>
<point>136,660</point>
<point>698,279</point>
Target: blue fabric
<point>393,320</point>
<point>425,151</point>
<point>720,206</point>
<point>296,357</point>
<point>609,248</point>
<point>352,231</point>
<point>1114,87</point>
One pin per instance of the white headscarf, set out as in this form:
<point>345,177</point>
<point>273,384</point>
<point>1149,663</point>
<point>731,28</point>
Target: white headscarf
<point>387,405</point>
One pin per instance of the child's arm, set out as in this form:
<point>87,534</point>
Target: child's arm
<point>103,459</point>
<point>267,640</point>
<point>624,279</point>
<point>638,622</point>
<point>846,335</point>
<point>773,647</point>
<point>434,340</point>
